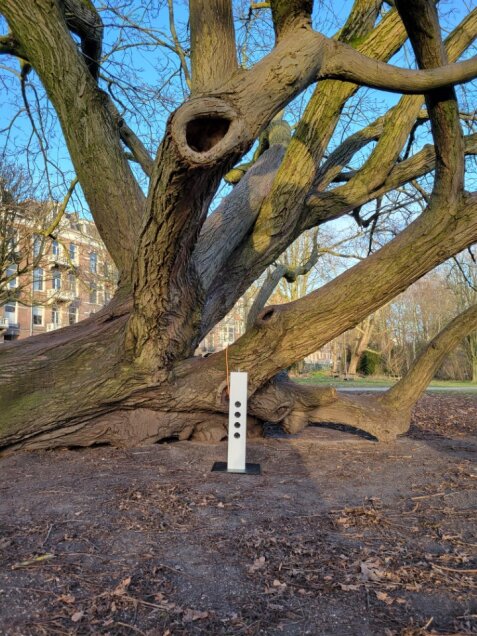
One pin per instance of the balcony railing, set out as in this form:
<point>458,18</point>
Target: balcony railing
<point>13,329</point>
<point>4,323</point>
<point>61,295</point>
<point>51,326</point>
<point>56,260</point>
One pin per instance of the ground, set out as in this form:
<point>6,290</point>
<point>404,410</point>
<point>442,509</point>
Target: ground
<point>339,535</point>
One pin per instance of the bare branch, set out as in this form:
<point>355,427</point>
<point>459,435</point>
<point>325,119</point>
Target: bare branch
<point>177,45</point>
<point>10,46</point>
<point>213,52</point>
<point>422,25</point>
<point>83,19</point>
<point>290,15</point>
<point>345,63</point>
<point>130,139</point>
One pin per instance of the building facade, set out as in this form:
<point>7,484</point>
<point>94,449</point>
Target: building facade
<point>73,277</point>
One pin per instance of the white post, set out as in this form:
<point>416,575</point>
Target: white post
<point>237,422</point>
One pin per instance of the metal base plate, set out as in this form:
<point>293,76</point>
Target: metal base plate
<point>250,469</point>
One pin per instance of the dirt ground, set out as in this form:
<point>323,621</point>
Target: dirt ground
<point>339,535</point>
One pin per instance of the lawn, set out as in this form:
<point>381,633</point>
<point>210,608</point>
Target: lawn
<point>322,377</point>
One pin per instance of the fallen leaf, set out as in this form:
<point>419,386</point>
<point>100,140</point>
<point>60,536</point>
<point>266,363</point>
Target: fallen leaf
<point>382,596</point>
<point>77,616</point>
<point>67,598</point>
<point>257,564</point>
<point>191,615</point>
<point>121,589</point>
<point>370,571</point>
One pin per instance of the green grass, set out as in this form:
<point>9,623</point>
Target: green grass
<point>321,377</point>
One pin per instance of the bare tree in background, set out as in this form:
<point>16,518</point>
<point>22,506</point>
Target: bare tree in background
<point>128,375</point>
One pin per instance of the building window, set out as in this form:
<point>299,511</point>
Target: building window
<point>37,315</point>
<point>12,244</point>
<point>55,316</point>
<point>107,297</point>
<point>93,294</point>
<point>11,276</point>
<point>73,252</point>
<point>38,279</point>
<point>56,280</point>
<point>228,334</point>
<point>72,315</point>
<point>10,311</point>
<point>55,248</point>
<point>72,283</point>
<point>37,246</point>
<point>106,269</point>
<point>93,262</point>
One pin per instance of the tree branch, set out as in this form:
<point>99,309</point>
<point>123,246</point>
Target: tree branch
<point>422,25</point>
<point>177,45</point>
<point>345,63</point>
<point>83,20</point>
<point>10,46</point>
<point>131,140</point>
<point>290,15</point>
<point>213,52</point>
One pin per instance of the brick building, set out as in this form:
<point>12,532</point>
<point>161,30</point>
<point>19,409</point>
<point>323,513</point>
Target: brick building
<point>73,277</point>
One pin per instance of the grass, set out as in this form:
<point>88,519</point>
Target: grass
<point>322,377</point>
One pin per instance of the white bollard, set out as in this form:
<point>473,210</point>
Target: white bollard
<point>237,431</point>
<point>237,445</point>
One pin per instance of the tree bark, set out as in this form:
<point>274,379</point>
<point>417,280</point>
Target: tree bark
<point>361,343</point>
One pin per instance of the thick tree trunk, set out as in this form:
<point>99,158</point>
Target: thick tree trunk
<point>361,343</point>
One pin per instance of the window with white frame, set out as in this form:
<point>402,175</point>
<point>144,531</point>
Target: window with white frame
<point>37,246</point>
<point>93,294</point>
<point>73,252</point>
<point>72,283</point>
<point>227,334</point>
<point>55,316</point>
<point>56,280</point>
<point>38,279</point>
<point>37,315</point>
<point>93,262</point>
<point>72,315</point>
<point>55,248</point>
<point>11,276</point>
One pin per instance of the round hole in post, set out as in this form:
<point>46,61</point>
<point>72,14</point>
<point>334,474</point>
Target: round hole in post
<point>237,424</point>
<point>237,414</point>
<point>203,133</point>
<point>237,435</point>
<point>238,404</point>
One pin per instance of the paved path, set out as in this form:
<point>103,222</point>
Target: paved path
<point>433,389</point>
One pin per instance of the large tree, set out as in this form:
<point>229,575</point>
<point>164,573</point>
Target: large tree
<point>127,375</point>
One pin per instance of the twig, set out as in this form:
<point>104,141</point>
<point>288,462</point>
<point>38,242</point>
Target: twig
<point>439,494</point>
<point>135,629</point>
<point>459,571</point>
